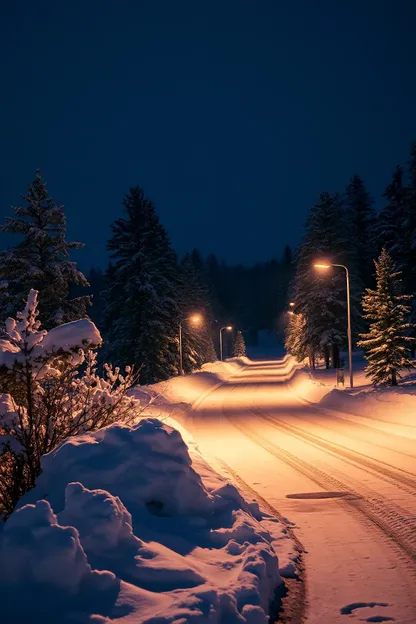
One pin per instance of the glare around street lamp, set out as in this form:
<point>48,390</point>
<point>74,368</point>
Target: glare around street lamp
<point>196,319</point>
<point>322,266</point>
<point>229,327</point>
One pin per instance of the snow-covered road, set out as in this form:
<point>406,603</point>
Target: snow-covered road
<point>347,483</point>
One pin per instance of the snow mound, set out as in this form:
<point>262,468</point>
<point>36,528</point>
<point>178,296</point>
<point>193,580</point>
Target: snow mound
<point>124,524</point>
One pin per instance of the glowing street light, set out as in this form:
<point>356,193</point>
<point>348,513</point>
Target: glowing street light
<point>194,319</point>
<point>227,328</point>
<point>328,265</point>
<point>292,304</point>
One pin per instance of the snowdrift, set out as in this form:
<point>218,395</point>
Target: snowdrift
<point>125,525</point>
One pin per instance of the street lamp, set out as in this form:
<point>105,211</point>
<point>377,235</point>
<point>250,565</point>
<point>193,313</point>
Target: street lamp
<point>228,328</point>
<point>292,304</point>
<point>328,265</point>
<point>195,319</point>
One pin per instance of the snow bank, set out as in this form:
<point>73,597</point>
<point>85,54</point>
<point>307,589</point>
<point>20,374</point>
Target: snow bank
<point>125,524</point>
<point>192,388</point>
<point>390,409</point>
<point>391,406</point>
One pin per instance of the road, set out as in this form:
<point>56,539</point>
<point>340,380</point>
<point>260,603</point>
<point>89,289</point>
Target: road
<point>349,488</point>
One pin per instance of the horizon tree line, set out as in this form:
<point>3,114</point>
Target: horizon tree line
<point>139,299</point>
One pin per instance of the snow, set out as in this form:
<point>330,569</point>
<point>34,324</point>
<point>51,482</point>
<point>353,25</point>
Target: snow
<point>390,409</point>
<point>192,388</point>
<point>131,524</point>
<point>269,429</point>
<point>69,337</point>
<point>24,340</point>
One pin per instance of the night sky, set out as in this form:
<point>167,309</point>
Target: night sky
<point>232,114</point>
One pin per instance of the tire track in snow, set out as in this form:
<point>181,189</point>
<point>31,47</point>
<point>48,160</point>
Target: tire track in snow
<point>380,511</point>
<point>398,477</point>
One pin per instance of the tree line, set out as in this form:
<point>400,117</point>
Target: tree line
<point>144,293</point>
<point>379,250</point>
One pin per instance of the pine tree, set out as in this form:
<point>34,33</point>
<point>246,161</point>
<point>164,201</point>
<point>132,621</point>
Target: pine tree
<point>386,344</point>
<point>409,225</point>
<point>321,298</point>
<point>361,218</point>
<point>142,314</point>
<point>198,347</point>
<point>294,340</point>
<point>41,260</point>
<point>97,282</point>
<point>239,346</point>
<point>390,233</point>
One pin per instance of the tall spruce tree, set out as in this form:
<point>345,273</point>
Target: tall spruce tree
<point>386,344</point>
<point>239,346</point>
<point>361,218</point>
<point>390,233</point>
<point>294,336</point>
<point>321,298</point>
<point>198,347</point>
<point>41,260</point>
<point>409,225</point>
<point>142,314</point>
<point>97,282</point>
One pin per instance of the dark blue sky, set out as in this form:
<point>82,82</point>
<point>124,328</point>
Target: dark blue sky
<point>232,114</point>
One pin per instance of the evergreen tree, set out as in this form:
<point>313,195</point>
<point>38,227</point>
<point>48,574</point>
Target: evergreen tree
<point>361,218</point>
<point>321,298</point>
<point>142,314</point>
<point>409,225</point>
<point>239,346</point>
<point>198,347</point>
<point>41,260</point>
<point>390,233</point>
<point>294,340</point>
<point>386,344</point>
<point>97,282</point>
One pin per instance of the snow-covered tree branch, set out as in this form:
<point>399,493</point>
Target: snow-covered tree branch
<point>49,396</point>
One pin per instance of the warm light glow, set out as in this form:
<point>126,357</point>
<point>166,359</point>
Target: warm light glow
<point>195,319</point>
<point>322,266</point>
<point>290,312</point>
<point>292,304</point>
<point>229,328</point>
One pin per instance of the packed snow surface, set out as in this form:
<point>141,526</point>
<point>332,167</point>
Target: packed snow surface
<point>128,524</point>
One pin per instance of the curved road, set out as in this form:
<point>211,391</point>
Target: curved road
<point>349,487</point>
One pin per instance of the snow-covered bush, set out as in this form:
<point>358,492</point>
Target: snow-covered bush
<point>48,397</point>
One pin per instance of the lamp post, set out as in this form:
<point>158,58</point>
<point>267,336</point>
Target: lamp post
<point>327,265</point>
<point>195,319</point>
<point>228,328</point>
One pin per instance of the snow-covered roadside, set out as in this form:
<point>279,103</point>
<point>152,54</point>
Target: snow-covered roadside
<point>390,409</point>
<point>130,524</point>
<point>176,397</point>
